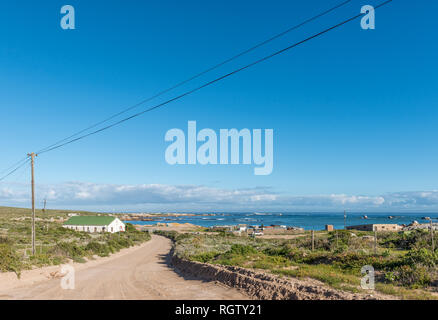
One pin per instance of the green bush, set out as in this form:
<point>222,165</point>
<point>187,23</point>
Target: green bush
<point>412,276</point>
<point>390,276</point>
<point>172,235</point>
<point>205,257</point>
<point>241,249</point>
<point>423,256</point>
<point>281,251</point>
<point>42,259</point>
<point>339,237</point>
<point>9,259</point>
<point>415,239</point>
<point>102,250</point>
<point>69,250</point>
<point>5,240</point>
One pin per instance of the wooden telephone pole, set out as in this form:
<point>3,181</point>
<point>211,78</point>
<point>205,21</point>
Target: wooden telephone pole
<point>375,241</point>
<point>345,220</point>
<point>32,157</point>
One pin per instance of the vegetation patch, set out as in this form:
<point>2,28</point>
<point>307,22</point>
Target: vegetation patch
<point>404,263</point>
<point>54,243</point>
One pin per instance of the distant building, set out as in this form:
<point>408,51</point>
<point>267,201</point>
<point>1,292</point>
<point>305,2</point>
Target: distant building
<point>295,228</point>
<point>329,227</point>
<point>376,227</point>
<point>223,228</point>
<point>276,226</point>
<point>72,214</point>
<point>95,224</point>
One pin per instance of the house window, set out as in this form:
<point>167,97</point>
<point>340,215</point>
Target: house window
<point>95,229</point>
<point>112,229</point>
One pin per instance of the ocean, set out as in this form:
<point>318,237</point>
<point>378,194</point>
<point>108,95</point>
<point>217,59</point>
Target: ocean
<point>308,221</point>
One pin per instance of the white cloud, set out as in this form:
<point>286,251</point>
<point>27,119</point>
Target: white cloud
<point>196,198</point>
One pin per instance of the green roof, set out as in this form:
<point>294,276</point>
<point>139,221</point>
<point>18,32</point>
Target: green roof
<point>89,221</point>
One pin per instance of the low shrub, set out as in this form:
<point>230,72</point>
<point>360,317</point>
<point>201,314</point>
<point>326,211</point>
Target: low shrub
<point>102,250</point>
<point>9,259</point>
<point>69,250</point>
<point>423,256</point>
<point>205,257</point>
<point>241,249</point>
<point>412,276</point>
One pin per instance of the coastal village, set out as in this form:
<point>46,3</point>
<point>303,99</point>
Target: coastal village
<point>325,260</point>
<point>260,230</point>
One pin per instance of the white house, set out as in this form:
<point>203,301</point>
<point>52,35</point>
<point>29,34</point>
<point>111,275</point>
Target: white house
<point>95,224</point>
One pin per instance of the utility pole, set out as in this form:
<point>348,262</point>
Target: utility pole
<point>313,239</point>
<point>345,220</point>
<point>44,209</point>
<point>32,157</point>
<point>375,241</point>
<point>431,234</point>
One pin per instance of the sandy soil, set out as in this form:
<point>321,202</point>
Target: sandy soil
<point>180,227</point>
<point>141,272</point>
<point>281,236</point>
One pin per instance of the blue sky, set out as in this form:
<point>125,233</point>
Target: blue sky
<point>354,112</point>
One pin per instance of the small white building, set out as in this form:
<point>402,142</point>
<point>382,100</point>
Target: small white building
<point>95,224</point>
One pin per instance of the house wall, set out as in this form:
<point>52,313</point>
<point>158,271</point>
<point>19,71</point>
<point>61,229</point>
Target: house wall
<point>362,227</point>
<point>387,227</point>
<point>376,227</point>
<point>115,226</point>
<point>87,228</point>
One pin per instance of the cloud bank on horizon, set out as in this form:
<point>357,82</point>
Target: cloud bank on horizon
<point>159,197</point>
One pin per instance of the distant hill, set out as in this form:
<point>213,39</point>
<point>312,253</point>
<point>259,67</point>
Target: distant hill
<point>15,210</point>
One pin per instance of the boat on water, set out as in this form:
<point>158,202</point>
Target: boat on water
<point>364,217</point>
<point>391,217</point>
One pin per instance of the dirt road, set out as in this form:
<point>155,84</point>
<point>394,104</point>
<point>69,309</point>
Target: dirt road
<point>140,273</point>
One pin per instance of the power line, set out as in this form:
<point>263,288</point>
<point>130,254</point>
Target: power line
<point>199,74</point>
<point>12,166</point>
<point>21,175</point>
<point>15,169</point>
<point>215,80</point>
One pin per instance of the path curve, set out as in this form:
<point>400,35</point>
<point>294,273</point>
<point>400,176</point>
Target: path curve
<point>142,273</point>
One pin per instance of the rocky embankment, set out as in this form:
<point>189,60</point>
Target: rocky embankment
<point>260,285</point>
